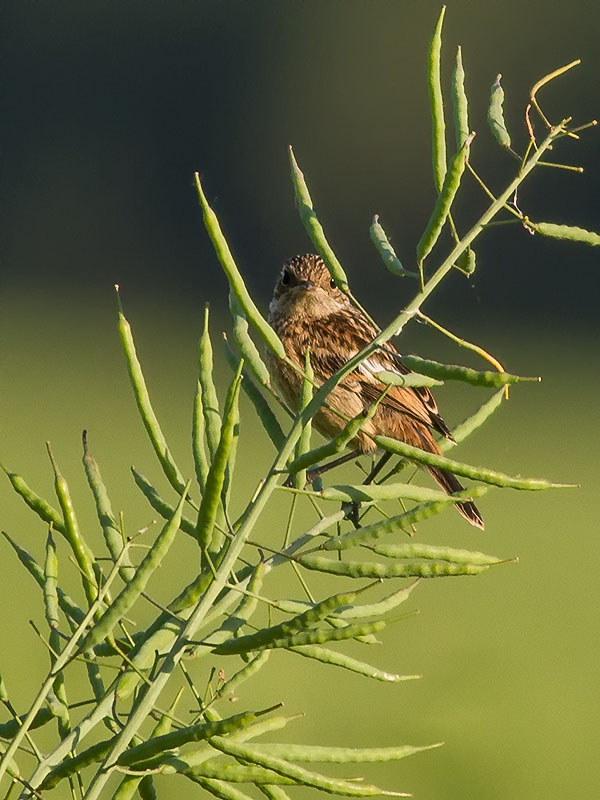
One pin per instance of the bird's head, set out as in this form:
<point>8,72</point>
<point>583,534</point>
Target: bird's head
<point>305,288</point>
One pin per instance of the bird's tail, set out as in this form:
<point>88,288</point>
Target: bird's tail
<point>450,484</point>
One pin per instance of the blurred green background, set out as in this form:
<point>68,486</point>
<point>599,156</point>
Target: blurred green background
<point>107,112</point>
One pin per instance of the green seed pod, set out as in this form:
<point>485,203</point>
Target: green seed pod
<point>72,611</point>
<point>57,698</point>
<point>375,569</point>
<point>303,443</point>
<point>467,261</point>
<point>262,408</point>
<point>81,551</point>
<point>459,101</point>
<point>316,612</point>
<point>430,551</point>
<point>436,101</point>
<point>198,434</point>
<point>212,498</point>
<point>294,606</point>
<point>36,503</point>
<point>377,609</point>
<point>247,671</point>
<point>272,792</point>
<point>322,635</point>
<point>232,451</point>
<point>249,753</point>
<point>381,607</point>
<point>73,764</point>
<point>342,755</point>
<point>144,405</point>
<point>245,345</point>
<point>386,251</point>
<point>444,202</point>
<point>9,729</point>
<point>97,684</point>
<point>320,527</point>
<point>368,638</point>
<point>210,402</point>
<point>496,114</point>
<point>110,527</point>
<point>465,470</point>
<point>314,227</point>
<point>300,606</point>
<point>337,659</point>
<point>193,733</point>
<point>400,523</point>
<point>363,493</point>
<point>217,777</point>
<point>146,788</point>
<point>12,768</point>
<point>166,510</point>
<point>188,598</point>
<point>51,583</point>
<point>234,277</point>
<point>569,232</point>
<point>267,636</point>
<point>411,379</point>
<point>248,604</point>
<point>453,372</point>
<point>204,754</point>
<point>261,727</point>
<point>476,420</point>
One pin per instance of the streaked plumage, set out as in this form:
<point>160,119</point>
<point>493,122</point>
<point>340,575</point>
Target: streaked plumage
<point>308,310</point>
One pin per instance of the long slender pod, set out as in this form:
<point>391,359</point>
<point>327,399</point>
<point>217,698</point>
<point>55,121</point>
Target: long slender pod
<point>144,405</point>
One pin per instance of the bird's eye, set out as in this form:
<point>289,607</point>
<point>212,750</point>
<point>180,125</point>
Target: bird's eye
<point>332,283</point>
<point>285,278</point>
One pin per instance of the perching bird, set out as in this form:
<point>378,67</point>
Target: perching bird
<point>309,311</point>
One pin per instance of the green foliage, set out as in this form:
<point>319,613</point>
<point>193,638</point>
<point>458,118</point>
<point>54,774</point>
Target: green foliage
<point>226,611</point>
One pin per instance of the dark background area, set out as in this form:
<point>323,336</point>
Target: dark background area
<point>107,110</point>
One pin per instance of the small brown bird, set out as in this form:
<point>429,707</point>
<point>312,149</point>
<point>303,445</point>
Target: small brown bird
<point>308,310</point>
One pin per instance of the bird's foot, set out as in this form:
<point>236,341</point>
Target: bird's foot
<point>352,511</point>
<point>313,479</point>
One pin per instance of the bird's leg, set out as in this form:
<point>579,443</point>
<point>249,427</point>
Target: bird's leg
<point>314,473</point>
<point>355,508</point>
<point>377,468</point>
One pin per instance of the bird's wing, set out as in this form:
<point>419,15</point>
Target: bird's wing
<point>346,335</point>
<point>417,401</point>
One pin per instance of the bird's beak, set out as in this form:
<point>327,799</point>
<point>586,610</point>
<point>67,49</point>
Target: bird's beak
<point>307,285</point>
